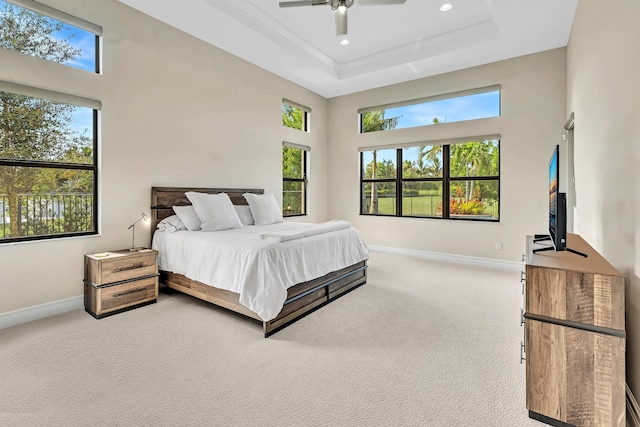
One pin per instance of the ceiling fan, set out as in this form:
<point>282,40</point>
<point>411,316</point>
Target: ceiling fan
<point>341,7</point>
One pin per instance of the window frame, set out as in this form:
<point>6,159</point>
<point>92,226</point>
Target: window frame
<point>68,19</point>
<point>430,99</point>
<point>304,180</point>
<point>78,24</point>
<point>306,115</point>
<point>446,178</point>
<point>40,164</point>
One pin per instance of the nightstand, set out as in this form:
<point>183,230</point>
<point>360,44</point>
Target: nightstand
<point>118,281</point>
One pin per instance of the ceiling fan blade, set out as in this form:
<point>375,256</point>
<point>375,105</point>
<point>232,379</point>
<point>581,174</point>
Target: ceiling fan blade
<point>380,2</point>
<point>303,3</point>
<point>341,23</point>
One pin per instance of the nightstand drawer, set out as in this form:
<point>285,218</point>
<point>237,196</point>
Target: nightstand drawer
<point>118,267</point>
<point>101,301</point>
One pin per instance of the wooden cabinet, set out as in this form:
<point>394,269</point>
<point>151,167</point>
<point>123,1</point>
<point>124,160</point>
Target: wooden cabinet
<point>120,280</point>
<point>575,337</point>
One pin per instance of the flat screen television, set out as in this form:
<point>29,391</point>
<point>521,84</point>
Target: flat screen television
<point>557,204</point>
<point>557,211</point>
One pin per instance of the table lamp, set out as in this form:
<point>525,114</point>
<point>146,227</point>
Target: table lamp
<point>132,227</point>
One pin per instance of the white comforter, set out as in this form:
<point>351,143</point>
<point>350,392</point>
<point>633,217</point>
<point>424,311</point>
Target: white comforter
<point>258,269</point>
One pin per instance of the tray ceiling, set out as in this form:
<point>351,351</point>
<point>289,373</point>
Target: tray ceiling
<point>387,44</point>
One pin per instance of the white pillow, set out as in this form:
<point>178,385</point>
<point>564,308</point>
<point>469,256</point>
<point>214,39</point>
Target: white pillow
<point>188,216</point>
<point>171,224</point>
<point>264,208</point>
<point>214,210</point>
<point>244,212</point>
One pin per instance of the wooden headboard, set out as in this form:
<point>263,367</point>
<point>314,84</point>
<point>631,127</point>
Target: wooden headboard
<point>164,198</point>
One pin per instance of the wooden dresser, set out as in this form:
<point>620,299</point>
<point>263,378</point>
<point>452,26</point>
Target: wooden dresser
<point>574,337</point>
<point>119,280</point>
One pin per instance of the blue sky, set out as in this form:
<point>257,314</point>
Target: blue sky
<point>80,39</point>
<point>410,153</point>
<point>83,40</point>
<point>83,121</point>
<point>478,106</point>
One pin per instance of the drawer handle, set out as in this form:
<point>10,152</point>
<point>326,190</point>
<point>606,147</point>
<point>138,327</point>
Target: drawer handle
<point>130,291</point>
<point>522,358</point>
<point>524,258</point>
<point>523,276</point>
<point>129,267</point>
<point>521,317</point>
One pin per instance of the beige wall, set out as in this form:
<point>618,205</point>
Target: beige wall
<point>602,91</point>
<point>176,111</point>
<point>531,124</point>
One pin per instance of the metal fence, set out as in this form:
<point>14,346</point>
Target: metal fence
<point>46,214</point>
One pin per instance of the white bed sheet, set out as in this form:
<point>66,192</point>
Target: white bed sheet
<point>260,270</point>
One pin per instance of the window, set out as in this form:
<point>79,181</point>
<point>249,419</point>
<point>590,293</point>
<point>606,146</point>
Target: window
<point>295,116</point>
<point>379,182</point>
<point>48,140</point>
<point>455,180</point>
<point>294,179</point>
<point>467,105</point>
<point>48,165</point>
<point>34,29</point>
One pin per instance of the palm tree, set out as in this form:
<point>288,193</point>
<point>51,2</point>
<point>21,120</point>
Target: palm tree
<point>432,154</point>
<point>373,121</point>
<point>471,157</point>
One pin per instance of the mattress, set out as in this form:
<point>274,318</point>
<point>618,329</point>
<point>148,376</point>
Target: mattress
<point>260,270</point>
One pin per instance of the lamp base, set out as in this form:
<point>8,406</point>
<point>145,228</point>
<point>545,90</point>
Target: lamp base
<point>136,249</point>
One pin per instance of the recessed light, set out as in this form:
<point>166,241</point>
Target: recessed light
<point>344,42</point>
<point>445,7</point>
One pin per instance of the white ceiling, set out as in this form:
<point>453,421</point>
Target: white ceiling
<point>388,44</point>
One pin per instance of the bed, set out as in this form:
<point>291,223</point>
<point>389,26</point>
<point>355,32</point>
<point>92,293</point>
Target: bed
<point>300,298</point>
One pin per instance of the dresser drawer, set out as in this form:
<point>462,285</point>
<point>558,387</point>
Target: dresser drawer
<point>588,298</point>
<point>101,301</point>
<point>115,267</point>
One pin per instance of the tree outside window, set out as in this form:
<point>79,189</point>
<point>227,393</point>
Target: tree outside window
<point>47,148</point>
<point>377,173</point>
<point>295,117</point>
<point>294,181</point>
<point>451,181</point>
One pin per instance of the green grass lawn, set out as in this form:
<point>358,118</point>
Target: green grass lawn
<point>424,205</point>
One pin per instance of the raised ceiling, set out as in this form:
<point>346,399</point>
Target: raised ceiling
<point>388,44</point>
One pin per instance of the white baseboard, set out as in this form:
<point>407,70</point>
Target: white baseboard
<point>460,259</point>
<point>29,314</point>
<point>633,410</point>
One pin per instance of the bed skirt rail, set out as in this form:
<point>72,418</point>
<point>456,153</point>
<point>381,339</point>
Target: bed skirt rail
<point>322,291</point>
<point>302,299</point>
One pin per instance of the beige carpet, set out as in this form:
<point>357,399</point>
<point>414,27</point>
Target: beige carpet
<point>423,343</point>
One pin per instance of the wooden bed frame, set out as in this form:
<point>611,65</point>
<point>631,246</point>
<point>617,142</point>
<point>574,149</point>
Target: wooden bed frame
<point>302,298</point>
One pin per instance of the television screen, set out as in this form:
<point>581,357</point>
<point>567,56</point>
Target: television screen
<point>557,211</point>
<point>553,194</point>
<point>557,204</point>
